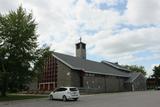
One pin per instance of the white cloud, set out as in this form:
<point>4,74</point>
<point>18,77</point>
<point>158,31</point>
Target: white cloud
<point>94,17</point>
<point>62,26</point>
<point>125,44</point>
<point>6,5</point>
<point>61,22</point>
<point>51,16</point>
<point>143,11</point>
<point>109,2</point>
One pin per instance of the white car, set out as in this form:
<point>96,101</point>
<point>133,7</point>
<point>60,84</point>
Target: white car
<point>65,93</point>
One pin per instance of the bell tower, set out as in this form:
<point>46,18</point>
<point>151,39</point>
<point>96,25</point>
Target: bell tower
<point>81,49</point>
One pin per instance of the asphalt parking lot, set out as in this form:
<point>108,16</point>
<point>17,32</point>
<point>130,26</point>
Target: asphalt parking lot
<point>125,99</point>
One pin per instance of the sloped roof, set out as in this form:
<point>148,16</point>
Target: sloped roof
<point>116,65</point>
<point>89,66</point>
<point>133,76</point>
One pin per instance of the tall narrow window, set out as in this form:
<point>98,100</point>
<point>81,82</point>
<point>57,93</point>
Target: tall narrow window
<point>83,46</point>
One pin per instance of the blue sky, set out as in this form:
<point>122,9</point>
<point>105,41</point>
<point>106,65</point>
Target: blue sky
<point>124,31</point>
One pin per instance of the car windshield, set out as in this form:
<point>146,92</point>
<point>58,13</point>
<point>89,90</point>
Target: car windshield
<point>73,89</point>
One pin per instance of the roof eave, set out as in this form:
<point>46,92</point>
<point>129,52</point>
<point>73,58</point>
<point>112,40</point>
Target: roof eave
<point>106,74</point>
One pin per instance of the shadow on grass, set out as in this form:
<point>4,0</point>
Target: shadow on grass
<point>20,97</point>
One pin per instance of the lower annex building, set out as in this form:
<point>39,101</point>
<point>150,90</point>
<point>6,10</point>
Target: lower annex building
<point>89,76</point>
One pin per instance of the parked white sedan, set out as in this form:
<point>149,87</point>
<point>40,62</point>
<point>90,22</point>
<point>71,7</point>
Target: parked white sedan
<point>65,93</point>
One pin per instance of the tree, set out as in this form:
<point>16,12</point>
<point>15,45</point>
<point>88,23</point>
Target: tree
<point>18,44</point>
<point>42,55</point>
<point>156,74</point>
<point>135,68</point>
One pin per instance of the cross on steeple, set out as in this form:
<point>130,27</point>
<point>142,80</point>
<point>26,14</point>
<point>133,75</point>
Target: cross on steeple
<point>80,39</point>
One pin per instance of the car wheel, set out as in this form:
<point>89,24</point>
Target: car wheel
<point>75,99</point>
<point>64,98</point>
<point>51,97</point>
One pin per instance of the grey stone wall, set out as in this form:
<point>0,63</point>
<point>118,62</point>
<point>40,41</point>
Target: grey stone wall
<point>99,84</point>
<point>111,84</point>
<point>63,75</point>
<point>81,51</point>
<point>128,86</point>
<point>75,78</point>
<point>140,83</point>
<point>121,84</point>
<point>115,84</point>
<point>94,84</point>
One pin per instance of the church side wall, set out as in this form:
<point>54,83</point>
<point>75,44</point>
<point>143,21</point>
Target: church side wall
<point>140,83</point>
<point>64,75</point>
<point>75,78</point>
<point>101,83</point>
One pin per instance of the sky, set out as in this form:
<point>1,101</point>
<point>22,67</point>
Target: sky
<point>123,31</point>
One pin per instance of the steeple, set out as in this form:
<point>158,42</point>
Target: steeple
<point>81,49</point>
<point>80,39</point>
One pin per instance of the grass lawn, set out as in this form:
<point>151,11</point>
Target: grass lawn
<point>20,97</point>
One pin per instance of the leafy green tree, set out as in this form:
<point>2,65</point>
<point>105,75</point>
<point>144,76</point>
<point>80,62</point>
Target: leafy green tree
<point>18,44</point>
<point>156,74</point>
<point>135,68</point>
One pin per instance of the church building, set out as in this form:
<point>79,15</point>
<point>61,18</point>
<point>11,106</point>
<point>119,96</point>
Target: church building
<point>89,76</point>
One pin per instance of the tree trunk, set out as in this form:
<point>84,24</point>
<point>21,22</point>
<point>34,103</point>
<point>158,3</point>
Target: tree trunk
<point>4,81</point>
<point>3,92</point>
<point>4,85</point>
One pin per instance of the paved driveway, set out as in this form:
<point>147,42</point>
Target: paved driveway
<point>127,99</point>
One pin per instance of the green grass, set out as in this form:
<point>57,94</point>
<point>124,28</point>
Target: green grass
<point>20,97</point>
